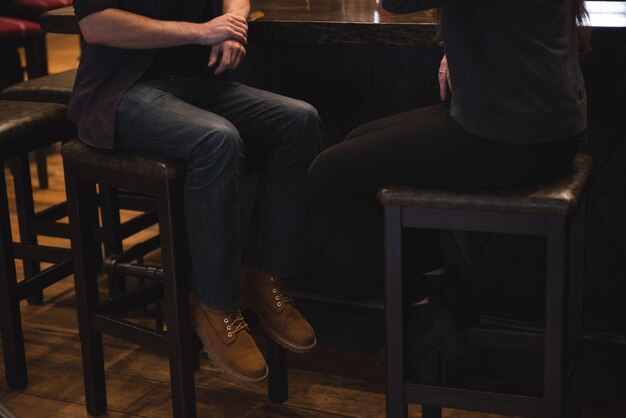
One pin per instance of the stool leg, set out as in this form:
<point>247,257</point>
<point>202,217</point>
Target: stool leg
<point>173,247</point>
<point>112,235</point>
<point>37,66</point>
<point>575,316</point>
<point>277,381</point>
<point>396,405</point>
<point>36,57</point>
<point>42,168</point>
<point>431,375</point>
<point>81,201</point>
<point>10,324</point>
<point>555,317</point>
<point>25,215</point>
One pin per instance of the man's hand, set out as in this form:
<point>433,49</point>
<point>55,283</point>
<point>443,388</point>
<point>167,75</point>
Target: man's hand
<point>222,28</point>
<point>445,83</point>
<point>229,55</point>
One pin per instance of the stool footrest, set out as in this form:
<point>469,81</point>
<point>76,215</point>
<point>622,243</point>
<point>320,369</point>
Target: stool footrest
<point>498,403</point>
<point>119,263</point>
<point>50,229</point>
<point>44,279</point>
<point>139,223</point>
<point>129,331</point>
<point>134,299</point>
<point>138,250</point>
<point>136,202</point>
<point>507,339</point>
<point>52,213</point>
<point>41,253</point>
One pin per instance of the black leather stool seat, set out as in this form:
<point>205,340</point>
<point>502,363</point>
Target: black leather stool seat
<point>26,126</point>
<point>54,88</point>
<point>560,197</point>
<point>130,162</point>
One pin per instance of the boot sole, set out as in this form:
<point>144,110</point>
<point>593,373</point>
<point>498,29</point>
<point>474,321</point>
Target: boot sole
<point>284,343</point>
<point>222,366</point>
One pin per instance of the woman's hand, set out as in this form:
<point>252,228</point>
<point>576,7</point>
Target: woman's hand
<point>445,84</point>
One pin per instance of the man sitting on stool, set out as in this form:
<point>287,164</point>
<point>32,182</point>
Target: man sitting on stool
<point>149,80</point>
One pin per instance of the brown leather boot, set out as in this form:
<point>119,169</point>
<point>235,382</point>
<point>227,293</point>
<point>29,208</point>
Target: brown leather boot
<point>267,296</point>
<point>228,343</point>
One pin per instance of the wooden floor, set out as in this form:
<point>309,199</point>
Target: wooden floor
<point>326,383</point>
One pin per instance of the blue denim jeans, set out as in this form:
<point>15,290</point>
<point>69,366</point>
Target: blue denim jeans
<point>216,127</point>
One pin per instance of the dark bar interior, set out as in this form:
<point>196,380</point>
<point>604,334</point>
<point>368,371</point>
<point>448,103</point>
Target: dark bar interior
<point>97,245</point>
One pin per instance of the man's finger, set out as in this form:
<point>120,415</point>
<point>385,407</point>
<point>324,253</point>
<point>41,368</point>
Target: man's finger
<point>225,61</point>
<point>241,53</point>
<point>241,34</point>
<point>214,55</point>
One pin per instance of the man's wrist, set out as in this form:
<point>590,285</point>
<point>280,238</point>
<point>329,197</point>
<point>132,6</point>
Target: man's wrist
<point>192,32</point>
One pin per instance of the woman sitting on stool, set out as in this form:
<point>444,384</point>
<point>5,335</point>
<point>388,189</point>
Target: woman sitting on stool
<point>516,118</point>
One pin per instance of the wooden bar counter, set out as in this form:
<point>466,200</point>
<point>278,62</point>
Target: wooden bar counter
<point>318,22</point>
<point>355,22</point>
<point>355,62</point>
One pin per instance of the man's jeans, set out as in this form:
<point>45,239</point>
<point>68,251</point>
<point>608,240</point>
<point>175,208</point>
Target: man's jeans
<point>211,125</point>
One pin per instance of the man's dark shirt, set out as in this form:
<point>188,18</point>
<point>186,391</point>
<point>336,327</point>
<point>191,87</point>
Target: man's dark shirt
<point>187,59</point>
<point>106,73</point>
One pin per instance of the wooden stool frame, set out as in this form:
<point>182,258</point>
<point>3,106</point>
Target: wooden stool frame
<point>565,253</point>
<point>35,280</point>
<point>94,320</point>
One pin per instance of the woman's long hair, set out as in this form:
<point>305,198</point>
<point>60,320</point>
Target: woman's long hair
<point>584,31</point>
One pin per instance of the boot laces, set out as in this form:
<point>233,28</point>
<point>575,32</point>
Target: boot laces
<point>235,323</point>
<point>280,292</point>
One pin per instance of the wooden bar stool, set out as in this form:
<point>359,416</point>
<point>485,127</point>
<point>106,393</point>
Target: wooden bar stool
<point>54,88</point>
<point>25,127</point>
<point>16,33</point>
<point>57,88</point>
<point>163,179</point>
<point>553,210</point>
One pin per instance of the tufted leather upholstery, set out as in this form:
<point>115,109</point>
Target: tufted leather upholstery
<point>54,88</point>
<point>557,198</point>
<point>31,9</point>
<point>26,126</point>
<point>11,28</point>
<point>122,160</point>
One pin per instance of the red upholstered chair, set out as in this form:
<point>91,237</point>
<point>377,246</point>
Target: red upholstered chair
<point>32,9</point>
<point>15,33</point>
